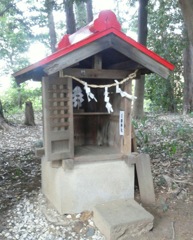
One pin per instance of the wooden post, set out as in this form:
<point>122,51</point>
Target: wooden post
<point>126,107</point>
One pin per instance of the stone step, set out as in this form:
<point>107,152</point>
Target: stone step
<point>122,219</point>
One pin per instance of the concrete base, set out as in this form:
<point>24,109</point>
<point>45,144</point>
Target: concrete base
<point>122,219</point>
<point>86,185</point>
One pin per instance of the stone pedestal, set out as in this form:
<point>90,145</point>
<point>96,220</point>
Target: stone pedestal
<point>87,184</point>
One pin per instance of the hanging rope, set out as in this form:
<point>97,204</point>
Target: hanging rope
<point>130,77</point>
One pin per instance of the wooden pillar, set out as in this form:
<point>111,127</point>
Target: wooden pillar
<point>126,107</point>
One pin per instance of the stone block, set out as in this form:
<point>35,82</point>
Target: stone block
<point>86,185</point>
<point>122,219</point>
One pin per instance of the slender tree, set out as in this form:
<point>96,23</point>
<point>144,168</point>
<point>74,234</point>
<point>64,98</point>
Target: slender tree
<point>81,16</point>
<point>187,12</point>
<point>166,37</point>
<point>6,8</point>
<point>142,38</point>
<point>49,7</point>
<point>70,19</point>
<point>89,11</point>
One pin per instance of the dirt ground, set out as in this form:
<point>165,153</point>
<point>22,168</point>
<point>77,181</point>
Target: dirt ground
<point>168,139</point>
<point>176,223</point>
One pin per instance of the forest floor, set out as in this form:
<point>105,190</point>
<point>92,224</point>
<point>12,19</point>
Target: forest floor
<point>167,138</point>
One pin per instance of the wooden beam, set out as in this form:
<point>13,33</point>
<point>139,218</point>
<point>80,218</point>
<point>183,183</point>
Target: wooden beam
<point>139,57</point>
<point>127,65</point>
<point>95,73</point>
<point>39,152</point>
<point>78,55</point>
<point>109,41</point>
<point>97,61</point>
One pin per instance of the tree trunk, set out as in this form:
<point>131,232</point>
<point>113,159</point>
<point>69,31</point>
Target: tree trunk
<point>188,80</point>
<point>7,7</point>
<point>19,98</point>
<point>142,38</point>
<point>1,110</point>
<point>89,11</point>
<point>70,19</point>
<point>29,114</point>
<point>187,12</point>
<point>80,12</point>
<point>3,122</point>
<point>49,4</point>
<point>139,93</point>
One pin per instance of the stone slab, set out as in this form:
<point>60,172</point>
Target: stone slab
<point>122,219</point>
<point>145,179</point>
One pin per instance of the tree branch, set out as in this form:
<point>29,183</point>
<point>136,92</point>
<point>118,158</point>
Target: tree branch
<point>7,7</point>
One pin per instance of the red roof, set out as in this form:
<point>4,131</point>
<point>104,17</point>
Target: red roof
<point>105,24</point>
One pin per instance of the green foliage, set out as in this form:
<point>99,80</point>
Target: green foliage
<point>142,137</point>
<point>12,97</point>
<point>167,139</point>
<point>166,38</point>
<point>13,44</point>
<point>81,18</point>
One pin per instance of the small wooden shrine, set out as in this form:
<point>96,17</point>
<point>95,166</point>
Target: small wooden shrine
<point>86,87</point>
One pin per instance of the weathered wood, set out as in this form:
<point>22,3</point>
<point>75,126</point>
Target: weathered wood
<point>78,55</point>
<point>131,158</point>
<point>97,61</point>
<point>91,113</point>
<point>58,91</point>
<point>126,107</point>
<point>96,153</point>
<point>62,124</point>
<point>58,99</point>
<point>109,41</point>
<point>101,158</point>
<point>58,108</point>
<point>60,116</point>
<point>58,136</point>
<point>39,152</point>
<point>95,73</point>
<point>133,140</point>
<point>56,164</point>
<point>139,57</point>
<point>145,179</point>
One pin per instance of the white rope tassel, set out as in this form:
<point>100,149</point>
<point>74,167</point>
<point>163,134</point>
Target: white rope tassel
<point>108,104</point>
<point>88,92</point>
<point>124,94</point>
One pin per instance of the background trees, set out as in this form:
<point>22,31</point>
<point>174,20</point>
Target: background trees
<point>187,12</point>
<point>24,22</point>
<point>166,36</point>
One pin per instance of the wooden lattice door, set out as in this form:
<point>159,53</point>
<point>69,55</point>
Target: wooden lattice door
<point>58,118</point>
